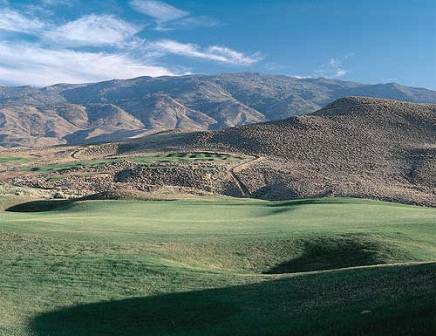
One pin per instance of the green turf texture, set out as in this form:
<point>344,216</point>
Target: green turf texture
<point>217,267</point>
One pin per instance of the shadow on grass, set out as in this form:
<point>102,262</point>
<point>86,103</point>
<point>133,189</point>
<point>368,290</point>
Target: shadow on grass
<point>380,301</point>
<point>54,205</point>
<point>42,206</point>
<point>291,205</point>
<point>57,205</point>
<point>323,253</point>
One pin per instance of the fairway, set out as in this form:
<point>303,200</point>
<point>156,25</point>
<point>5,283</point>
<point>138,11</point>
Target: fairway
<point>217,267</point>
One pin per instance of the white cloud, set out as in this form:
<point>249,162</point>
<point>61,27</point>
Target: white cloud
<point>14,21</point>
<point>33,65</point>
<point>168,17</point>
<point>93,30</point>
<point>116,51</point>
<point>45,8</point>
<point>212,53</point>
<point>158,10</point>
<point>301,76</point>
<point>187,22</point>
<point>334,68</point>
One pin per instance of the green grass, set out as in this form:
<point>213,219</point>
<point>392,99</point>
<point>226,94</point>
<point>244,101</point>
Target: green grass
<point>217,267</point>
<point>14,160</point>
<point>62,167</point>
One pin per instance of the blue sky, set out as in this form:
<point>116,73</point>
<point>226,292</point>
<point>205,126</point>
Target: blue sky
<point>43,42</point>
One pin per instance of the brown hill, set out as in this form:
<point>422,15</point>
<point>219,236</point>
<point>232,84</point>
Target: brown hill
<point>119,109</point>
<point>355,146</point>
<point>361,147</point>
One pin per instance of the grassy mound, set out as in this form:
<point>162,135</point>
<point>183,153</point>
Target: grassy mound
<point>321,253</point>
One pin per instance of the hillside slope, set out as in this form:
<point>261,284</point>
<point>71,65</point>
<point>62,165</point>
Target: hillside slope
<point>355,146</point>
<point>119,109</point>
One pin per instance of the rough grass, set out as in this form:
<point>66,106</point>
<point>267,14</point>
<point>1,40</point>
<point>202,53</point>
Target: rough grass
<point>73,165</point>
<point>211,267</point>
<point>147,159</point>
<point>181,157</point>
<point>14,159</point>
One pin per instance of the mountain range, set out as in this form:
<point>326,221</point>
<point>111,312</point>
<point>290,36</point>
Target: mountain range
<point>123,109</point>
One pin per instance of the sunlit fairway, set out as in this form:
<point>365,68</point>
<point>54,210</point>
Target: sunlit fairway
<point>217,267</point>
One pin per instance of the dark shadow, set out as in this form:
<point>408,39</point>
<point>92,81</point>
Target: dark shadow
<point>42,206</point>
<point>291,205</point>
<point>323,253</point>
<point>57,205</point>
<point>307,201</point>
<point>379,301</point>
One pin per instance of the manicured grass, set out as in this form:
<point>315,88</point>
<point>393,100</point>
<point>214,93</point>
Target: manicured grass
<point>214,267</point>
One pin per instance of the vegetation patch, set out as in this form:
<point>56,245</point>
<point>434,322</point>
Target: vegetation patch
<point>182,157</point>
<point>74,165</point>
<point>14,159</point>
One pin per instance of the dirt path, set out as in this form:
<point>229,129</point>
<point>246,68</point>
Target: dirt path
<point>74,153</point>
<point>240,167</point>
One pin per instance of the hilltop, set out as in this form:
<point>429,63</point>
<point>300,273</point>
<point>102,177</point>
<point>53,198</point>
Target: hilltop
<point>122,109</point>
<point>355,146</point>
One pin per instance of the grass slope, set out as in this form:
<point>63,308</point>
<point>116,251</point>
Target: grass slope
<point>212,267</point>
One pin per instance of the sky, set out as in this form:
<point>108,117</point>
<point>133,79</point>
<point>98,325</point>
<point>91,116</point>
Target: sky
<point>43,42</point>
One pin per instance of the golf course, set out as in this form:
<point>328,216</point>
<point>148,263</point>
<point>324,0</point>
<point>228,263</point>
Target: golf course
<point>217,266</point>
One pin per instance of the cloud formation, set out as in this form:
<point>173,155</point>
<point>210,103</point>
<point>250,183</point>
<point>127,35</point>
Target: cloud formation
<point>168,17</point>
<point>93,30</point>
<point>158,10</point>
<point>334,68</point>
<point>95,47</point>
<point>14,21</point>
<point>33,65</point>
<point>212,53</point>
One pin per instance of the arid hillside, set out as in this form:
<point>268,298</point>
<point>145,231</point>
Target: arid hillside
<point>360,147</point>
<point>354,147</point>
<point>125,109</point>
